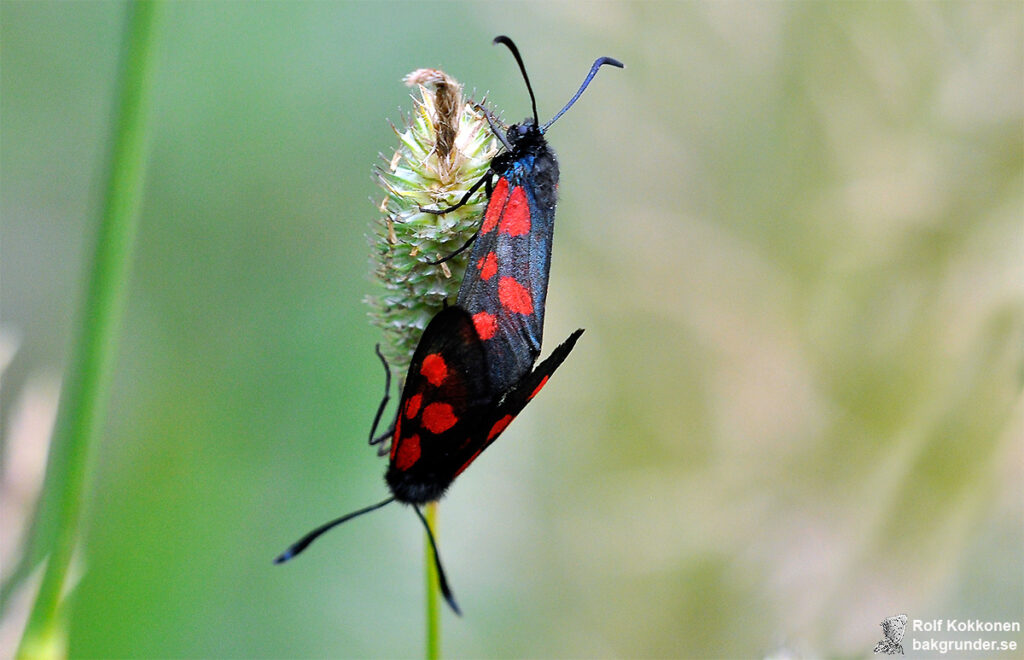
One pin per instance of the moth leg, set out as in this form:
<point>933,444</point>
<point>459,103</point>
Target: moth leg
<point>457,252</point>
<point>383,404</point>
<point>385,449</point>
<point>462,202</point>
<point>489,189</point>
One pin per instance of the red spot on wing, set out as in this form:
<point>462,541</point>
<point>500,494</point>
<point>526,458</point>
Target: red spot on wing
<point>408,452</point>
<point>499,196</point>
<point>488,266</point>
<point>397,434</point>
<point>543,382</point>
<point>516,219</point>
<point>486,325</point>
<point>514,296</point>
<point>499,426</point>
<point>438,417</point>
<point>434,369</point>
<point>412,406</point>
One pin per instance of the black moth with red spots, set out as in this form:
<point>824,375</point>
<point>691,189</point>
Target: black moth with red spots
<point>473,369</point>
<point>467,381</point>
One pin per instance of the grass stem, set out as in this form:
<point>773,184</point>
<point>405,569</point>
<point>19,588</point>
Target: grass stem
<point>433,589</point>
<point>84,397</point>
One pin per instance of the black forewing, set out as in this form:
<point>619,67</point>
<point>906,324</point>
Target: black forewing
<point>479,289</point>
<point>509,404</point>
<point>438,412</point>
<point>516,399</point>
<point>531,178</point>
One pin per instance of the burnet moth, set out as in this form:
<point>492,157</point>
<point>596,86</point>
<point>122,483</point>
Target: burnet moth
<point>473,369</point>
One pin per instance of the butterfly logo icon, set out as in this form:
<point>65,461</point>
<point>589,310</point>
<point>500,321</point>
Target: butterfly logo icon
<point>893,629</point>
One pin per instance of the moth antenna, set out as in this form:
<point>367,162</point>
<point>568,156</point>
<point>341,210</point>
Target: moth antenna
<point>441,579</point>
<point>502,39</point>
<point>601,61</point>
<point>304,542</point>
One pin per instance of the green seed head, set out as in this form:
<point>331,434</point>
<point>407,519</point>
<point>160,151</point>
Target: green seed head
<point>445,147</point>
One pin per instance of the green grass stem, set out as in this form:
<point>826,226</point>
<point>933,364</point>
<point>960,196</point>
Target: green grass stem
<point>84,397</point>
<point>433,589</point>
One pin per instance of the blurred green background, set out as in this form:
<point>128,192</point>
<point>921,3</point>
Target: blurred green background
<point>793,232</point>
